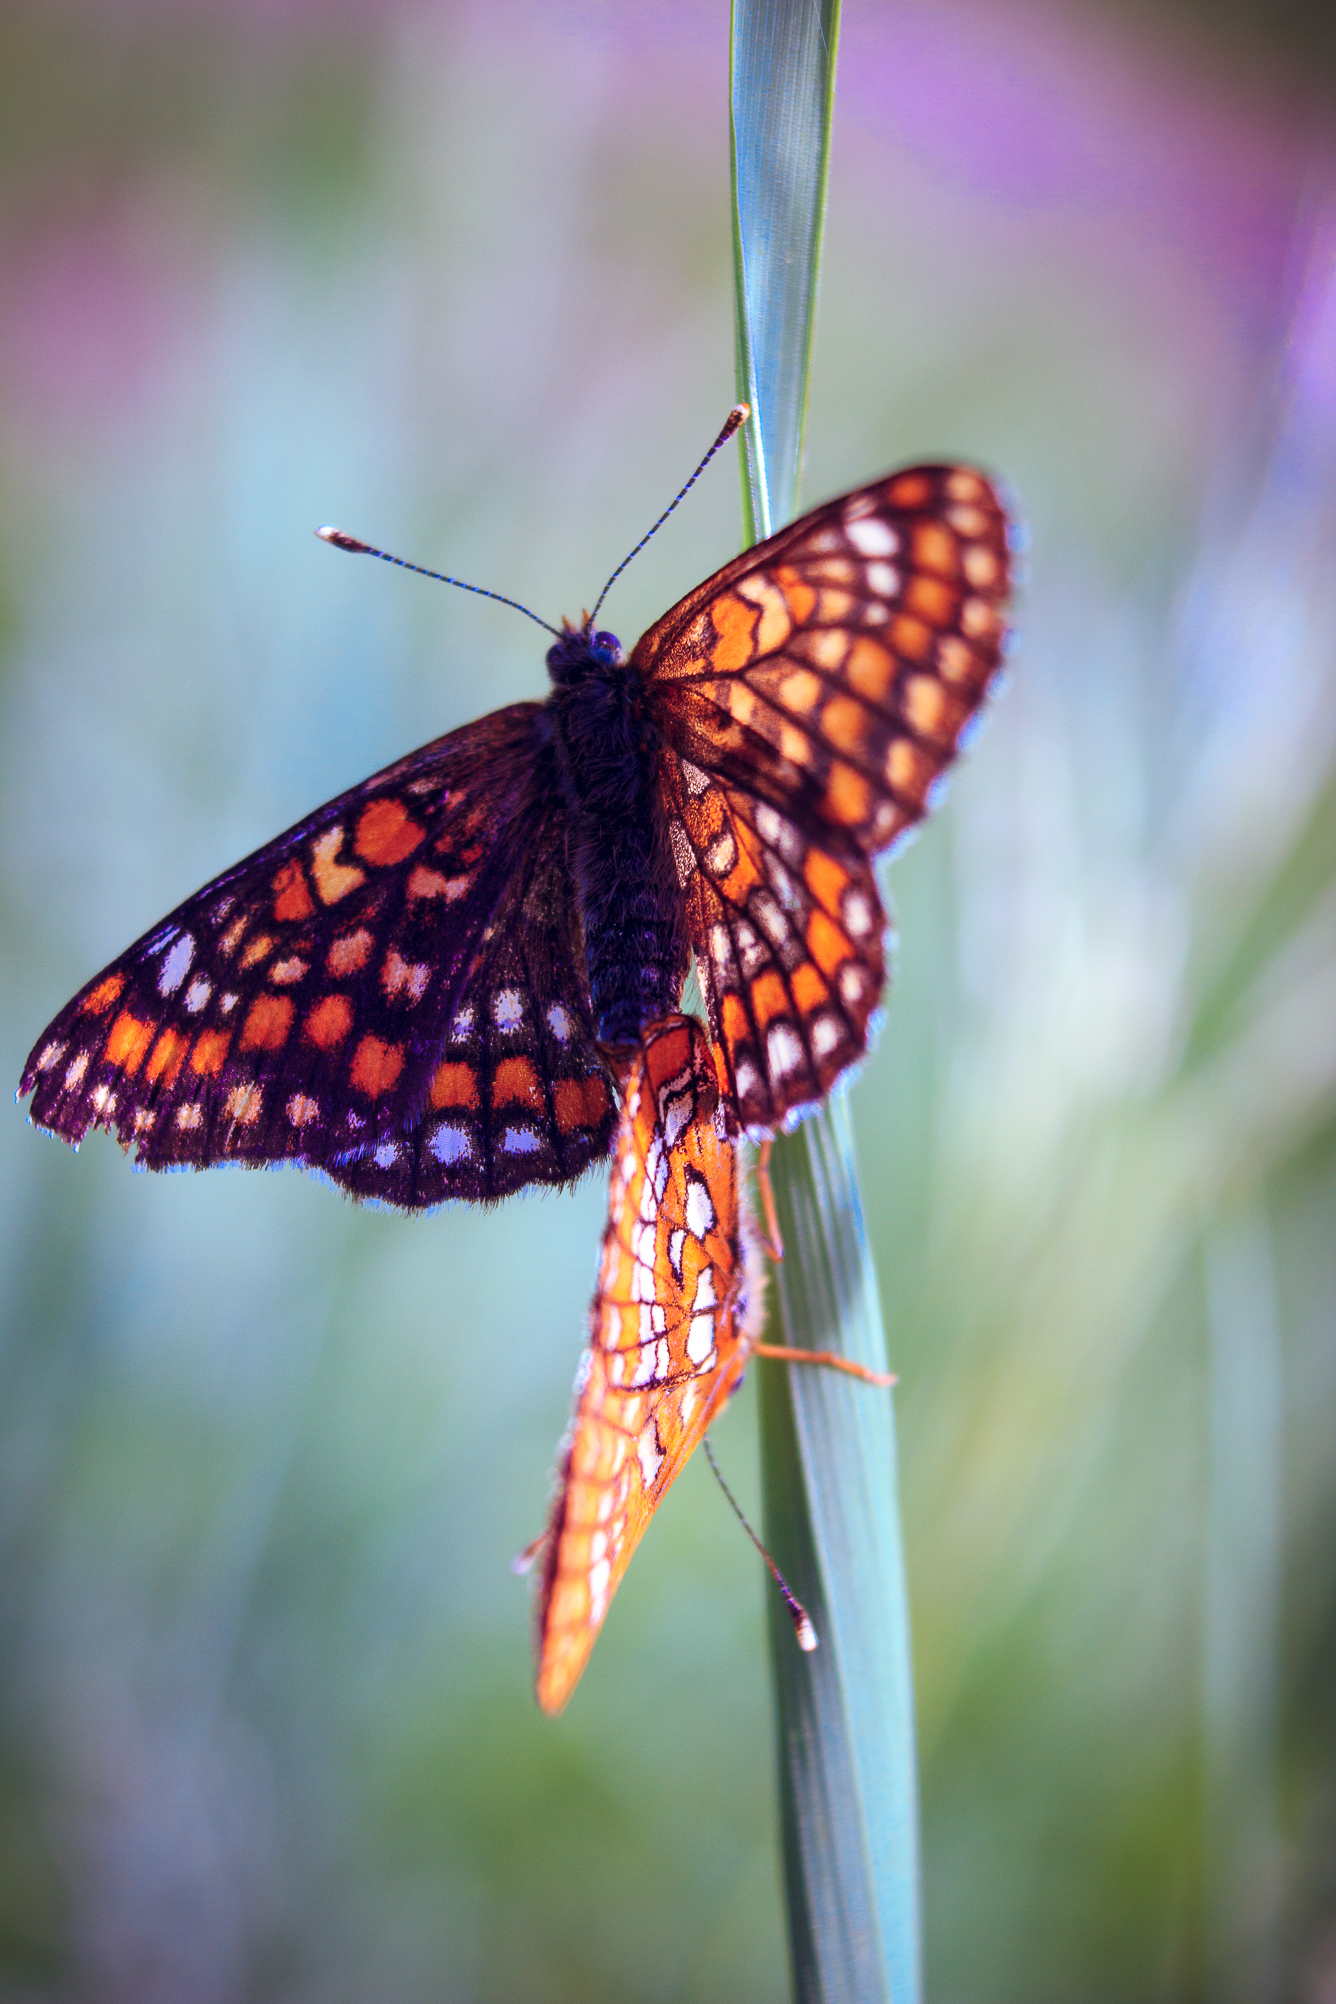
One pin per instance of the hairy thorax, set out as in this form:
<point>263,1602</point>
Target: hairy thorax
<point>607,754</point>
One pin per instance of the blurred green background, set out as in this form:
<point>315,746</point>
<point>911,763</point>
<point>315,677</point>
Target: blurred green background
<point>457,277</point>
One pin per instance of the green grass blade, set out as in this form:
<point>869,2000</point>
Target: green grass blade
<point>847,1770</point>
<point>782,97</point>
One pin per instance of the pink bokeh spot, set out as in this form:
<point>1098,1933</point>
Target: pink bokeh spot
<point>89,315</point>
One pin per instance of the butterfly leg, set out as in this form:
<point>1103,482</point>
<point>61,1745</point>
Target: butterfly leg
<point>522,1561</point>
<point>772,1242</point>
<point>863,1372</point>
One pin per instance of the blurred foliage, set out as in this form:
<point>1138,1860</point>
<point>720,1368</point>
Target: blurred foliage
<point>460,280</point>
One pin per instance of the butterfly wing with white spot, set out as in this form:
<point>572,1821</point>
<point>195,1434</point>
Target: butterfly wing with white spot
<point>298,1006</point>
<point>671,1326</point>
<point>520,1094</point>
<point>822,681</point>
<point>789,941</point>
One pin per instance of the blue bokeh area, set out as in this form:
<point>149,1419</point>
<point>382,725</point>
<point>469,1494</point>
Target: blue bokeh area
<point>458,279</point>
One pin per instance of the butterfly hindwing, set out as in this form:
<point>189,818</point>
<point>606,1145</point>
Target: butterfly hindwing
<point>296,1007</point>
<point>823,681</point>
<point>789,941</point>
<point>670,1331</point>
<point>520,1094</point>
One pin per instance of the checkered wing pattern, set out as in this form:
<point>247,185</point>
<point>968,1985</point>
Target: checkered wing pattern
<point>810,696</point>
<point>324,1000</point>
<point>790,944</point>
<point>670,1331</point>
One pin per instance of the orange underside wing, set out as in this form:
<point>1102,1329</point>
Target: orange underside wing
<point>671,1327</point>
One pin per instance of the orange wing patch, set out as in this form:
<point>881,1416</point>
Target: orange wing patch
<point>671,1326</point>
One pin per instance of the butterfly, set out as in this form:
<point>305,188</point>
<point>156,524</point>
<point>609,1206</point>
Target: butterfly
<point>676,1313</point>
<point>427,987</point>
<point>677,1316</point>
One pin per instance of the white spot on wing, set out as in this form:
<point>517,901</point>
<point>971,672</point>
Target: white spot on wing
<point>74,1076</point>
<point>871,537</point>
<point>650,1455</point>
<point>852,982</point>
<point>451,1143</point>
<point>176,965</point>
<point>520,1141</point>
<point>560,1024</point>
<point>508,1009</point>
<point>826,1034</point>
<point>700,1339</point>
<point>722,853</point>
<point>856,908</point>
<point>700,1211</point>
<point>675,1116</point>
<point>684,856</point>
<point>754,954</point>
<point>721,948</point>
<point>783,1049</point>
<point>198,994</point>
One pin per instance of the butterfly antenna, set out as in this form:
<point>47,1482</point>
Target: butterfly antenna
<point>737,416</point>
<point>342,541</point>
<point>798,1615</point>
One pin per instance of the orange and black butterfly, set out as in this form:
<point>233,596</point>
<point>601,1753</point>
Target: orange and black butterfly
<point>421,989</point>
<point>674,1320</point>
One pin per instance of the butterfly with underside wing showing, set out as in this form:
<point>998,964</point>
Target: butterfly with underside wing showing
<point>676,1313</point>
<point>676,1317</point>
<point>423,988</point>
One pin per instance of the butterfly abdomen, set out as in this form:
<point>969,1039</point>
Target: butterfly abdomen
<point>630,907</point>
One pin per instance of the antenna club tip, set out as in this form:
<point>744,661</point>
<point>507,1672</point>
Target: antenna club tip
<point>803,1629</point>
<point>737,416</point>
<point>340,539</point>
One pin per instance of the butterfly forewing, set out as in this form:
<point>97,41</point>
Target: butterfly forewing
<point>826,677</point>
<point>298,1007</point>
<point>670,1327</point>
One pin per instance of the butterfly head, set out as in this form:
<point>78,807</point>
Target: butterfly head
<point>580,652</point>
